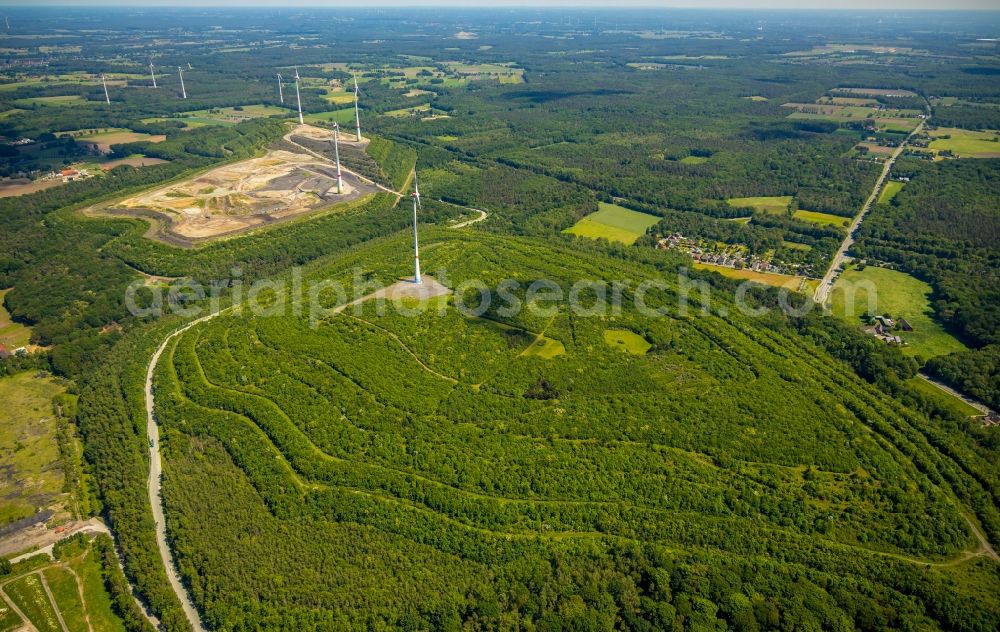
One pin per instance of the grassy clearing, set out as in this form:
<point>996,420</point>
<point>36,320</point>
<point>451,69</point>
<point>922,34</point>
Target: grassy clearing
<point>30,597</point>
<point>889,191</point>
<point>627,341</point>
<point>66,592</point>
<point>966,143</point>
<point>234,115</point>
<point>824,219</point>
<point>614,223</point>
<point>12,335</point>
<point>768,204</point>
<point>694,160</point>
<point>70,99</point>
<point>29,453</point>
<point>8,618</point>
<point>102,617</point>
<point>897,294</point>
<point>343,116</point>
<point>795,245</point>
<point>756,97</point>
<point>545,348</point>
<point>767,278</point>
<point>946,400</point>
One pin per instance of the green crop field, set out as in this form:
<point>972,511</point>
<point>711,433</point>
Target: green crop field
<point>966,143</point>
<point>768,204</point>
<point>30,459</point>
<point>898,294</point>
<point>824,219</point>
<point>889,191</point>
<point>614,223</point>
<point>73,99</point>
<point>30,597</point>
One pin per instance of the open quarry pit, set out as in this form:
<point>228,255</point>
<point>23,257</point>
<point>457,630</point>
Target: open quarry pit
<point>279,186</point>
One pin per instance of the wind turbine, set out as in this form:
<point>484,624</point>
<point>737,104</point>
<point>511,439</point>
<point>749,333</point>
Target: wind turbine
<point>180,73</point>
<point>357,121</point>
<point>336,153</point>
<point>281,95</point>
<point>298,97</point>
<point>151,73</point>
<point>104,81</point>
<point>416,246</point>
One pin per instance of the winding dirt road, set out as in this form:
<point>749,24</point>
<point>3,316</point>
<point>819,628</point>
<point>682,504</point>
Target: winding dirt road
<point>154,483</point>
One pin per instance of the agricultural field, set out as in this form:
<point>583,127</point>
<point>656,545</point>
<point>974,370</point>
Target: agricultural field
<point>824,219</point>
<point>73,99</point>
<point>768,204</point>
<point>281,185</point>
<point>105,140</point>
<point>614,223</point>
<point>459,462</point>
<point>30,458</point>
<point>966,143</point>
<point>224,116</point>
<point>897,294</point>
<point>787,281</point>
<point>889,191</point>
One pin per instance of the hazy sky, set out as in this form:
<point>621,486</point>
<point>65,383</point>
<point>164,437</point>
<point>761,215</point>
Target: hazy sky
<point>993,5</point>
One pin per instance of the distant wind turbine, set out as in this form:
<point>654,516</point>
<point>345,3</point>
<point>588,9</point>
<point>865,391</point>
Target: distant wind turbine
<point>152,73</point>
<point>104,82</point>
<point>180,73</point>
<point>336,153</point>
<point>298,97</point>
<point>357,116</point>
<point>281,95</point>
<point>416,244</point>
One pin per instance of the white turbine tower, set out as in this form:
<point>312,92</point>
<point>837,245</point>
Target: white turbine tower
<point>180,73</point>
<point>104,82</point>
<point>152,73</point>
<point>298,97</point>
<point>357,118</point>
<point>336,153</point>
<point>281,95</point>
<point>416,244</point>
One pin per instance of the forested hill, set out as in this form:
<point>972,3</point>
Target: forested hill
<point>604,471</point>
<point>944,227</point>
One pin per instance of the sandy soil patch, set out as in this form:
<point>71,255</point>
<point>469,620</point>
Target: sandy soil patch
<point>132,162</point>
<point>277,186</point>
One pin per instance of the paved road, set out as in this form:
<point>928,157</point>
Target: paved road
<point>154,483</point>
<point>822,293</point>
